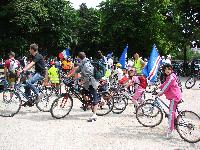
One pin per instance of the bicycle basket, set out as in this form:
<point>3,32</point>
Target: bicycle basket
<point>68,81</point>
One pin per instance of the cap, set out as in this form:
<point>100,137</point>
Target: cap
<point>118,65</point>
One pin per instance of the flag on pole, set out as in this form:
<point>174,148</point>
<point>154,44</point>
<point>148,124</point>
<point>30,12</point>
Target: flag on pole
<point>122,59</point>
<point>151,69</point>
<point>66,53</point>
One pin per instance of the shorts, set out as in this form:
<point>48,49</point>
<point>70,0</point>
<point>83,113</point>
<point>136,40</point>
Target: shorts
<point>92,93</point>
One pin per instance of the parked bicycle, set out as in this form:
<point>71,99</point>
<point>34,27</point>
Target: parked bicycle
<point>191,81</point>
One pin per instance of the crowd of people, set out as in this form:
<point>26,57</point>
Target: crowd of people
<point>130,76</point>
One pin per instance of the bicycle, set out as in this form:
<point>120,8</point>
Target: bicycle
<point>151,115</point>
<point>62,106</point>
<point>13,99</point>
<point>190,82</point>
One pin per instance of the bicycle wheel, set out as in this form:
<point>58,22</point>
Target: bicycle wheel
<point>120,104</point>
<point>62,106</point>
<point>188,126</point>
<point>10,103</point>
<point>190,82</point>
<point>44,103</point>
<point>105,104</point>
<point>149,115</point>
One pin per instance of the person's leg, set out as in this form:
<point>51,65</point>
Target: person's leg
<point>32,80</point>
<point>137,95</point>
<point>94,103</point>
<point>172,114</point>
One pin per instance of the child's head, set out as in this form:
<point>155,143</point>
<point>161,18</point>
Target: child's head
<point>132,72</point>
<point>124,71</point>
<point>167,69</point>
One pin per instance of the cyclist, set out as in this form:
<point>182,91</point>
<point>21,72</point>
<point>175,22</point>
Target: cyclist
<point>40,73</point>
<point>11,67</point>
<point>89,83</point>
<point>54,76</point>
<point>172,92</point>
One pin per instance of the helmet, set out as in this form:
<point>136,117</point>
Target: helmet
<point>52,63</point>
<point>118,65</point>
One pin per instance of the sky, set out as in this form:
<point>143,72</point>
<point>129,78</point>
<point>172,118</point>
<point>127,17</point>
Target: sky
<point>89,3</point>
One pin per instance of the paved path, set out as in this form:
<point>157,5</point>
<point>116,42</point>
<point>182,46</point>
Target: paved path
<point>35,130</point>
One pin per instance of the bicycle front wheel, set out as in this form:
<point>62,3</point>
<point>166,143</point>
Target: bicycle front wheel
<point>188,126</point>
<point>62,106</point>
<point>105,104</point>
<point>44,102</point>
<point>120,104</point>
<point>149,115</point>
<point>10,103</point>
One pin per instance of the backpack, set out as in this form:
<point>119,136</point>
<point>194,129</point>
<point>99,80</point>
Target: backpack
<point>87,69</point>
<point>14,66</point>
<point>99,70</point>
<point>143,82</point>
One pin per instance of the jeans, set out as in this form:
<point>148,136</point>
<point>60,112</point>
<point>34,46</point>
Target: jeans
<point>30,84</point>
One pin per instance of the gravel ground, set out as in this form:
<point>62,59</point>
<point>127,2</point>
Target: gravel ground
<point>31,129</point>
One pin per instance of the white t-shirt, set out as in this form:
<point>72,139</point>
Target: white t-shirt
<point>119,73</point>
<point>110,62</point>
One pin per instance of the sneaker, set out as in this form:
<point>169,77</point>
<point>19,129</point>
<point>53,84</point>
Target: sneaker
<point>168,135</point>
<point>93,118</point>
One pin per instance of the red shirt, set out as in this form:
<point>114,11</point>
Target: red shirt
<point>7,63</point>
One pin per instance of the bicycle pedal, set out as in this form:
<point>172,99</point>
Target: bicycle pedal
<point>92,120</point>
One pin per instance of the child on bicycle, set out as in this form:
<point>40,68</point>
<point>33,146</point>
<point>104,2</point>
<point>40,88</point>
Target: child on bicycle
<point>172,91</point>
<point>54,76</point>
<point>139,84</point>
<point>133,81</point>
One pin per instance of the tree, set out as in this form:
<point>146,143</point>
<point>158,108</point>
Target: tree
<point>89,36</point>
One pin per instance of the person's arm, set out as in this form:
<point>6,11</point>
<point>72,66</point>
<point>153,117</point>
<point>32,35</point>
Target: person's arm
<point>5,68</point>
<point>74,72</point>
<point>165,86</point>
<point>29,66</point>
<point>142,63</point>
<point>5,71</point>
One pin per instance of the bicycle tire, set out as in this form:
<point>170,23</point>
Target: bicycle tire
<point>189,126</point>
<point>44,104</point>
<point>140,111</point>
<point>118,100</point>
<point>6,101</point>
<point>107,106</point>
<point>62,100</point>
<point>188,81</point>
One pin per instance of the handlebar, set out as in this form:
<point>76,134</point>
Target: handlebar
<point>154,92</point>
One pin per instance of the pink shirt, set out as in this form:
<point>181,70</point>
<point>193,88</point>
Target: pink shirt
<point>171,89</point>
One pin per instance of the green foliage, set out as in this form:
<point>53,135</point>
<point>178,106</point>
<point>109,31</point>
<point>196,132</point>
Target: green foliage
<point>55,25</point>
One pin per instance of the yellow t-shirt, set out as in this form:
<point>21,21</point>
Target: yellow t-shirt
<point>53,75</point>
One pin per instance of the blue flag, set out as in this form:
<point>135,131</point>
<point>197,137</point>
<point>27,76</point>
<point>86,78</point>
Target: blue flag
<point>66,53</point>
<point>151,69</point>
<point>122,59</point>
